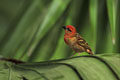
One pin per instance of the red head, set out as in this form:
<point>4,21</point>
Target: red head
<point>69,30</point>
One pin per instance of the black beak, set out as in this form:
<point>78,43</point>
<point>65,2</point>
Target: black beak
<point>64,27</point>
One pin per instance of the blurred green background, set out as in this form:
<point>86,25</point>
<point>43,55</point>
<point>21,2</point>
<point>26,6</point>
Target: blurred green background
<point>31,30</point>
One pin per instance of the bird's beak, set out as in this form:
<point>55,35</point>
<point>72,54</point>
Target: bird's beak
<point>64,27</point>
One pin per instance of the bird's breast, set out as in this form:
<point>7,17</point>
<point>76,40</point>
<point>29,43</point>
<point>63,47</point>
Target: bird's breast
<point>72,41</point>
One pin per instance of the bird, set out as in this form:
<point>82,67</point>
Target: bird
<point>75,41</point>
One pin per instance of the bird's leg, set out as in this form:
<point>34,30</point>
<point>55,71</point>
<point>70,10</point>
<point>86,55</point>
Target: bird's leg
<point>78,54</point>
<point>73,54</point>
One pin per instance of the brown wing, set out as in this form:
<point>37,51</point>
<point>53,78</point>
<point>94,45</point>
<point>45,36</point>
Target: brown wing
<point>83,43</point>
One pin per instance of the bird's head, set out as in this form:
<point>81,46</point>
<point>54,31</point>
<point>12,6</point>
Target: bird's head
<point>69,30</point>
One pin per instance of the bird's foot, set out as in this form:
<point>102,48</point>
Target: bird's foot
<point>79,54</point>
<point>73,55</point>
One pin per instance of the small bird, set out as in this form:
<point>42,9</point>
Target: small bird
<point>75,41</point>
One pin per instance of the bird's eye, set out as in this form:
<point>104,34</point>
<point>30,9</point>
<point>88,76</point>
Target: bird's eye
<point>69,29</point>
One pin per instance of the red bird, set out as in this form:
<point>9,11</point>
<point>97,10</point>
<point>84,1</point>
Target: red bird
<point>75,41</point>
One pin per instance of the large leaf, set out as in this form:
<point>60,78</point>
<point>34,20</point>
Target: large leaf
<point>99,67</point>
<point>112,6</point>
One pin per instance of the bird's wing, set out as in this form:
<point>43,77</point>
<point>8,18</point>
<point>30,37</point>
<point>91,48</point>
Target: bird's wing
<point>82,42</point>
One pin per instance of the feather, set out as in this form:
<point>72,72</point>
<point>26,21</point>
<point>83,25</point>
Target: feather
<point>83,43</point>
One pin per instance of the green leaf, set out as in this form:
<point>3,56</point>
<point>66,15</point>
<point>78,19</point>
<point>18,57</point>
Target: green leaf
<point>105,67</point>
<point>56,9</point>
<point>93,8</point>
<point>111,5</point>
<point>117,46</point>
<point>104,41</point>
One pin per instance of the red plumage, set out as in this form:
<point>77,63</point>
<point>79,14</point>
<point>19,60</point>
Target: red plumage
<point>75,41</point>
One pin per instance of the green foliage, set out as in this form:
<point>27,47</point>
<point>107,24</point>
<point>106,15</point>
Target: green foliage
<point>31,30</point>
<point>99,67</point>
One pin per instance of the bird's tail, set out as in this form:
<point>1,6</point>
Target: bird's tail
<point>89,51</point>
